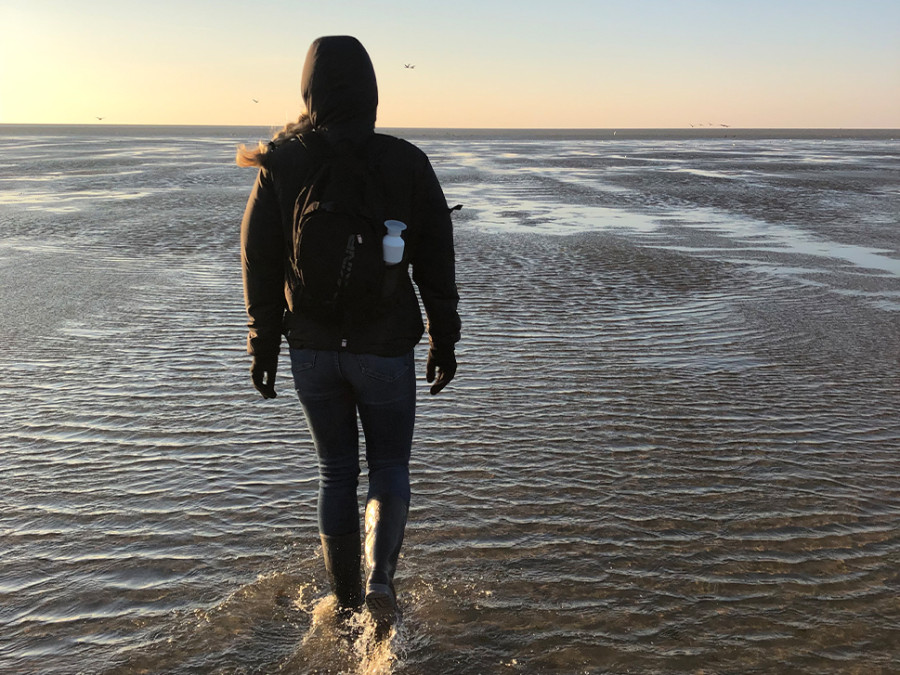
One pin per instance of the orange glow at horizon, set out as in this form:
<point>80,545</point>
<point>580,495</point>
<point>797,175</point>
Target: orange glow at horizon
<point>58,65</point>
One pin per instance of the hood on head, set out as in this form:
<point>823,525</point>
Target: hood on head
<point>338,84</point>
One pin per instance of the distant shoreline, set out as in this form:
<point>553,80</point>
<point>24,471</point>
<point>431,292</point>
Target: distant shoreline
<point>254,131</point>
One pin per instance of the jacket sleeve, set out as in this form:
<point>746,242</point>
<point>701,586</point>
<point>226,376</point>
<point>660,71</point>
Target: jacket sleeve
<point>434,265</point>
<point>262,265</point>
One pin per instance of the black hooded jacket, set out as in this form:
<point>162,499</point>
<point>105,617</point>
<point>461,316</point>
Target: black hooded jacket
<point>341,97</point>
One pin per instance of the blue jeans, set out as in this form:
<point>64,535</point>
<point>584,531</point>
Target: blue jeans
<point>333,387</point>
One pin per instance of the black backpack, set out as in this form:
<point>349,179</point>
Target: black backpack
<point>338,228</point>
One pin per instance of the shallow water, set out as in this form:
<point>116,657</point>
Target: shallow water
<point>672,446</point>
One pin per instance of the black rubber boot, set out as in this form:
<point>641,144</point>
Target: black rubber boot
<point>341,554</point>
<point>385,525</point>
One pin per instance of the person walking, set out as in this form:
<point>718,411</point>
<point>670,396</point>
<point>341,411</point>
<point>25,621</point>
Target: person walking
<point>351,364</point>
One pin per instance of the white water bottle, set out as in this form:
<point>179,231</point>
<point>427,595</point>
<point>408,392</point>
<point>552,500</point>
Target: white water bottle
<point>393,243</point>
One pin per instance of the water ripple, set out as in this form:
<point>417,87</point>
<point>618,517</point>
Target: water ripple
<point>671,447</point>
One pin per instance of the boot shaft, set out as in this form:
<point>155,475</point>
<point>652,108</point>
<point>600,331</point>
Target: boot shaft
<point>385,528</point>
<point>342,557</point>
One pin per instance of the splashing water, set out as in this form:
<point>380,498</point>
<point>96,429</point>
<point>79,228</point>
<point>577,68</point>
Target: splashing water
<point>353,646</point>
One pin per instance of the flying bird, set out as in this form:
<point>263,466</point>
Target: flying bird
<point>409,65</point>
<point>100,118</point>
<point>254,100</point>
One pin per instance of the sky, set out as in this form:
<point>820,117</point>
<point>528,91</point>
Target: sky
<point>478,63</point>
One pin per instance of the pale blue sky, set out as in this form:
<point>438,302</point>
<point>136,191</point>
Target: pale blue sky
<point>487,63</point>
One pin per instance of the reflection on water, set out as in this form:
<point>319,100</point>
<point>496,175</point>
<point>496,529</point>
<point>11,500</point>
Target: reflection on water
<point>672,446</point>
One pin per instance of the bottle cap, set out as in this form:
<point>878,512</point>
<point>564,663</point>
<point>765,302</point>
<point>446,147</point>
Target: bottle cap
<point>394,227</point>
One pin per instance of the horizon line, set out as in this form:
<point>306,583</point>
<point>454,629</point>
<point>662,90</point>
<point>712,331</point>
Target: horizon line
<point>440,128</point>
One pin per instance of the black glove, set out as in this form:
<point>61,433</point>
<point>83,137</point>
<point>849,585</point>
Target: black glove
<point>262,372</point>
<point>442,360</point>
